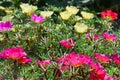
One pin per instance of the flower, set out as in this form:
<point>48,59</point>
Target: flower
<point>109,14</point>
<point>6,10</point>
<point>4,26</point>
<point>46,14</point>
<point>65,15</point>
<point>109,37</point>
<point>73,10</point>
<point>116,59</point>
<point>24,60</point>
<point>28,9</point>
<point>80,60</point>
<point>37,19</point>
<point>44,62</point>
<point>87,15</point>
<point>80,27</point>
<point>65,65</point>
<point>16,54</point>
<point>95,37</point>
<point>69,43</point>
<point>109,78</point>
<point>20,78</point>
<point>103,58</point>
<point>97,74</point>
<point>75,60</point>
<point>77,18</point>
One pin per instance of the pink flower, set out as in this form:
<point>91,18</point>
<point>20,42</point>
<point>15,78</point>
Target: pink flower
<point>64,64</point>
<point>88,35</point>
<point>44,63</point>
<point>65,67</point>
<point>76,60</point>
<point>109,14</point>
<point>109,37</point>
<point>4,26</point>
<point>94,38</point>
<point>103,58</point>
<point>37,19</point>
<point>17,54</point>
<point>109,78</point>
<point>95,65</point>
<point>116,59</point>
<point>67,43</point>
<point>13,53</point>
<point>20,78</point>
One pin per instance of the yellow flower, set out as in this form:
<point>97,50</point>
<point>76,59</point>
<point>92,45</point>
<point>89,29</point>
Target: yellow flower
<point>72,9</point>
<point>46,14</point>
<point>7,18</point>
<point>5,9</point>
<point>65,15</point>
<point>80,27</point>
<point>77,18</point>
<point>87,15</point>
<point>28,9</point>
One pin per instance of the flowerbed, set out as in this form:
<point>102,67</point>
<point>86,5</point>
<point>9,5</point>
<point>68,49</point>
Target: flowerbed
<point>70,43</point>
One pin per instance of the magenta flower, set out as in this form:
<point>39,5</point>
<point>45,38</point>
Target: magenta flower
<point>109,14</point>
<point>109,78</point>
<point>17,54</point>
<point>88,35</point>
<point>37,19</point>
<point>95,65</point>
<point>103,58</point>
<point>75,60</point>
<point>44,63</point>
<point>64,64</point>
<point>20,78</point>
<point>116,59</point>
<point>94,38</point>
<point>109,37</point>
<point>68,43</point>
<point>4,26</point>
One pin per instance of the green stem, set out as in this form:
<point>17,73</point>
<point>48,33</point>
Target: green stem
<point>15,70</point>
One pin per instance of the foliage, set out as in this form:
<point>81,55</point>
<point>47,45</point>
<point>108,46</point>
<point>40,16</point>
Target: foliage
<point>41,39</point>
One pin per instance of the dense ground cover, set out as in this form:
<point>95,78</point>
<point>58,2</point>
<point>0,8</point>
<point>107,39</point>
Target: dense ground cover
<point>58,42</point>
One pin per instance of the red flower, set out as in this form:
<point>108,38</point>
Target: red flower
<point>109,14</point>
<point>67,43</point>
<point>97,74</point>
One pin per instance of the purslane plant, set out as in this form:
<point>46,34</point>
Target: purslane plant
<point>61,46</point>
